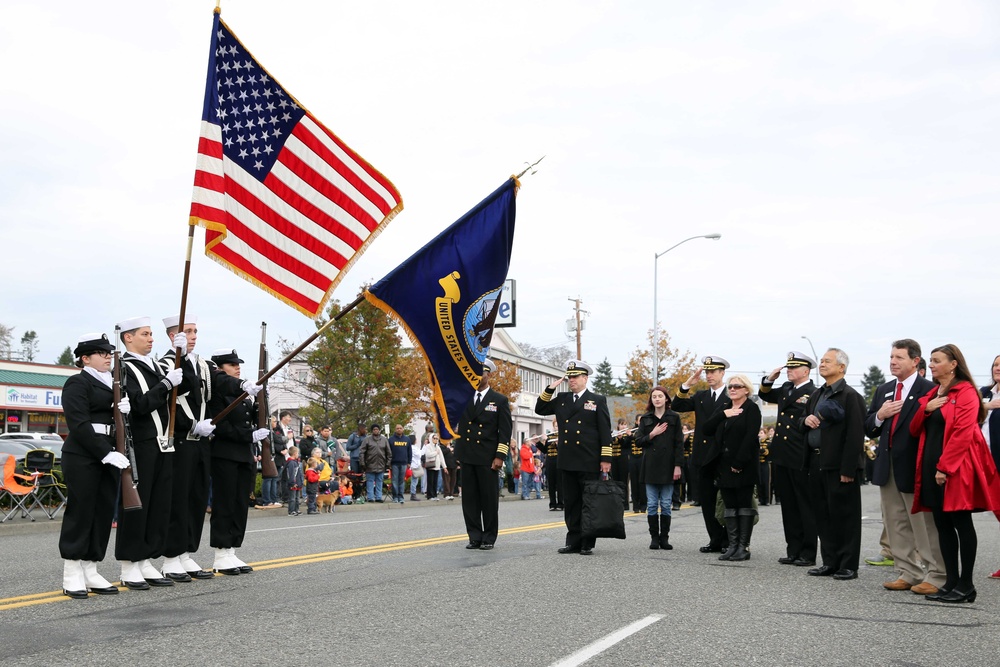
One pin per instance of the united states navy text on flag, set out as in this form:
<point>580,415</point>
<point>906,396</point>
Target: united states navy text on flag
<point>446,296</point>
<point>285,203</point>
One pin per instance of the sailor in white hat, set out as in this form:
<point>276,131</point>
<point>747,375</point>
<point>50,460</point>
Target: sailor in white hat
<point>142,533</point>
<point>192,458</point>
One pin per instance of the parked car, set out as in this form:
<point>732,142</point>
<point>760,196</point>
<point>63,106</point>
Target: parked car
<point>14,448</point>
<point>49,441</point>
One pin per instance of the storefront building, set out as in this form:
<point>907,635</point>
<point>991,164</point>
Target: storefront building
<point>31,397</point>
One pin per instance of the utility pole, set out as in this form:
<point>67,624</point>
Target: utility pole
<point>579,326</point>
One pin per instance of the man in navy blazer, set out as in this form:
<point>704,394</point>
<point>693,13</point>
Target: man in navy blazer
<point>913,539</point>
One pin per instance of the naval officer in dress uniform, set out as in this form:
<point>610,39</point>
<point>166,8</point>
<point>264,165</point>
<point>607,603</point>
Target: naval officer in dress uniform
<point>91,469</point>
<point>704,451</point>
<point>192,458</point>
<point>584,445</point>
<point>484,431</point>
<point>234,469</point>
<point>789,473</point>
<point>142,533</point>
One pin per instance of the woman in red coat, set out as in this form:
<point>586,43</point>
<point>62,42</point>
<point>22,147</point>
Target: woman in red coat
<point>956,475</point>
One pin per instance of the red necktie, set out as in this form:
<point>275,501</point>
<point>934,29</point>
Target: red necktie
<point>895,417</point>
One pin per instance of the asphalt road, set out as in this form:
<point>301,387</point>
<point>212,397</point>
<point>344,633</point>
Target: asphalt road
<point>390,585</point>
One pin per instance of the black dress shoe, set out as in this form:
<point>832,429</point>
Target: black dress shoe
<point>586,552</point>
<point>201,574</point>
<point>182,578</point>
<point>245,569</point>
<point>569,550</point>
<point>845,574</point>
<point>110,590</point>
<point>711,549</point>
<point>802,562</point>
<point>559,508</point>
<point>473,544</point>
<point>785,560</point>
<point>230,571</point>
<point>936,597</point>
<point>159,581</point>
<point>956,596</point>
<point>78,595</point>
<point>485,547</point>
<point>821,571</point>
<point>553,509</point>
<point>136,585</point>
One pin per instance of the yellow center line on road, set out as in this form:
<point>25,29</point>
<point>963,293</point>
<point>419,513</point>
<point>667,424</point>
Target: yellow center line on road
<point>57,596</point>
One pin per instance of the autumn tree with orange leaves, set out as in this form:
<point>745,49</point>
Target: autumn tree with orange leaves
<point>675,367</point>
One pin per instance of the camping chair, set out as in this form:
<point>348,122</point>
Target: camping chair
<point>48,489</point>
<point>19,494</point>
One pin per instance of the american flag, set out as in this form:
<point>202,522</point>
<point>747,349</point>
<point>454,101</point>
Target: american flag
<point>285,203</point>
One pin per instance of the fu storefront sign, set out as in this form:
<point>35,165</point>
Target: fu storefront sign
<point>30,397</point>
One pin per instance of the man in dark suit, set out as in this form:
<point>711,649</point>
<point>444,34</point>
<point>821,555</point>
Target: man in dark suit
<point>788,457</point>
<point>483,444</point>
<point>584,446</point>
<point>835,439</point>
<point>913,538</point>
<point>704,452</point>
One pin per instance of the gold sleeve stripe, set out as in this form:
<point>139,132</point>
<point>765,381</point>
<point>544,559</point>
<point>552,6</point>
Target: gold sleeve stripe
<point>605,451</point>
<point>503,449</point>
<point>764,388</point>
<point>546,395</point>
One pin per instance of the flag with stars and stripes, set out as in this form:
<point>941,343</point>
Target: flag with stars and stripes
<point>285,203</point>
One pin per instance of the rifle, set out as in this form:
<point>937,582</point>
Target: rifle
<point>267,467</point>
<point>123,438</point>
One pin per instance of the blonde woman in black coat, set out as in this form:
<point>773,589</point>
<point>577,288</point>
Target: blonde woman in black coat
<point>736,425</point>
<point>661,437</point>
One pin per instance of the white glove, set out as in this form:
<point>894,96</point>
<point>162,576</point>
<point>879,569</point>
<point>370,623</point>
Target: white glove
<point>117,460</point>
<point>181,341</point>
<point>124,406</point>
<point>175,376</point>
<point>251,388</point>
<point>260,434</point>
<point>204,428</point>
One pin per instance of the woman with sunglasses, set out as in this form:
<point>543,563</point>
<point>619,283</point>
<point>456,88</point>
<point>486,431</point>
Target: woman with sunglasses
<point>662,440</point>
<point>956,474</point>
<point>735,425</point>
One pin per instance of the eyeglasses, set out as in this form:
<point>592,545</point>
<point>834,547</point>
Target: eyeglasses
<point>736,386</point>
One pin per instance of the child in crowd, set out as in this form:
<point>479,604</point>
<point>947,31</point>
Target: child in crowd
<point>294,479</point>
<point>312,484</point>
<point>346,491</point>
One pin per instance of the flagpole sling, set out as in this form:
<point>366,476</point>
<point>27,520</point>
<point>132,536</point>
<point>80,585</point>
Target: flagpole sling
<point>291,355</point>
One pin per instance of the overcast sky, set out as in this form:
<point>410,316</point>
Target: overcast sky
<point>846,151</point>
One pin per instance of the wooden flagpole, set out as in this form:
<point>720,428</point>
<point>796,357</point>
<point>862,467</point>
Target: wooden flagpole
<point>291,355</point>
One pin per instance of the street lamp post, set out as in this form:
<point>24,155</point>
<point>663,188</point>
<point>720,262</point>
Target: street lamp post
<point>656,324</point>
<point>814,356</point>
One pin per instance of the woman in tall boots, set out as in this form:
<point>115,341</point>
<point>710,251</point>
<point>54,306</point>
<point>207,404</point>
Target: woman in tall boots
<point>662,439</point>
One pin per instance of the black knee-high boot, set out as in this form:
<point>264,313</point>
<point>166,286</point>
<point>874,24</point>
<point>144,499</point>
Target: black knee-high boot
<point>654,530</point>
<point>745,521</point>
<point>665,532</point>
<point>733,530</point>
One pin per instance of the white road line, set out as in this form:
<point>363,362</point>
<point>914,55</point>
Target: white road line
<point>589,651</point>
<point>338,523</point>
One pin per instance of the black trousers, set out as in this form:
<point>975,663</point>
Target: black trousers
<point>232,483</point>
<point>620,473</point>
<point>837,506</point>
<point>142,533</point>
<point>192,478</point>
<point>708,497</point>
<point>638,488</point>
<point>480,503</point>
<point>552,479</point>
<point>572,487</point>
<point>764,483</point>
<point>797,516</point>
<point>91,489</point>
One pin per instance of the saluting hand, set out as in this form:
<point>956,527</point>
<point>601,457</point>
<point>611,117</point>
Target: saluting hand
<point>557,382</point>
<point>691,381</point>
<point>775,373</point>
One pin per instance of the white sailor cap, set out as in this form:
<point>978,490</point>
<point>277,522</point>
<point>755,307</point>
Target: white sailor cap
<point>93,342</point>
<point>488,365</point>
<point>577,367</point>
<point>712,363</point>
<point>174,320</point>
<point>796,359</point>
<point>226,355</point>
<point>134,323</point>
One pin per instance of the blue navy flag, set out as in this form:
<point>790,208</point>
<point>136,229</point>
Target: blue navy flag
<point>446,296</point>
